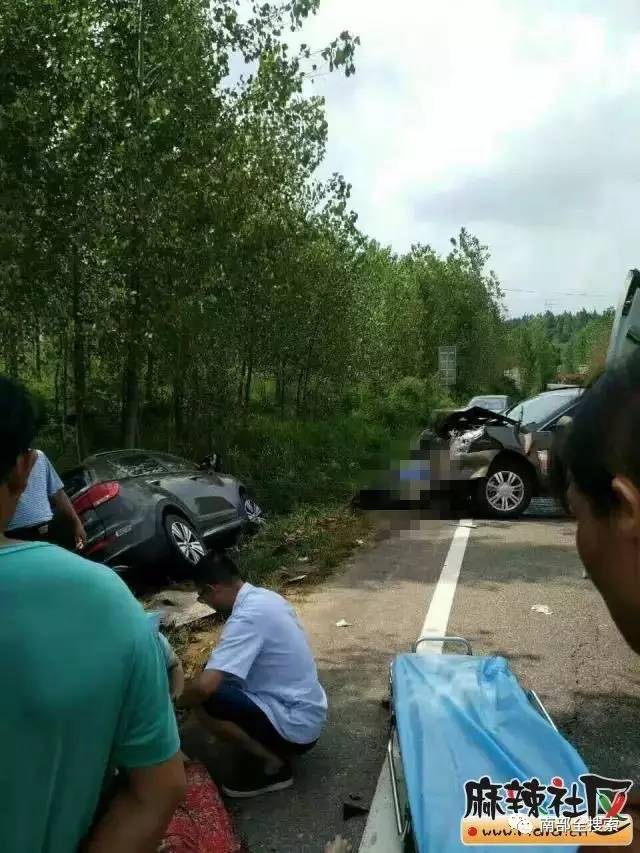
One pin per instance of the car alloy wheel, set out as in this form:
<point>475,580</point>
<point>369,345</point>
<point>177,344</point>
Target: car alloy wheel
<point>505,491</point>
<point>252,510</point>
<point>186,541</point>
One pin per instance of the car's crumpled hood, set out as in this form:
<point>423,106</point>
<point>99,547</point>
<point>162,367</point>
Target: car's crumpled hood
<point>464,420</point>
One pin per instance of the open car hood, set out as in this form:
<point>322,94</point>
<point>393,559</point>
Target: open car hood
<point>466,419</point>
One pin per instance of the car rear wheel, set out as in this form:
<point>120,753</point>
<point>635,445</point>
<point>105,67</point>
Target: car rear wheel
<point>506,492</point>
<point>183,540</point>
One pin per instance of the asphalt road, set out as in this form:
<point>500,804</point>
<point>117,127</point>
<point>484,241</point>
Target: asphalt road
<point>573,657</point>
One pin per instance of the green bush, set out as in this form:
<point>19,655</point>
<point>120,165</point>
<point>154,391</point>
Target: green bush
<point>291,463</point>
<point>288,464</point>
<point>407,403</point>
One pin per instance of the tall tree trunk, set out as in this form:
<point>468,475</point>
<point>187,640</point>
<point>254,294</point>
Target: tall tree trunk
<point>133,360</point>
<point>247,384</point>
<point>305,387</point>
<point>79,358</point>
<point>57,408</point>
<point>299,393</point>
<point>131,391</point>
<point>178,405</point>
<point>241,384</point>
<point>38,352</point>
<point>278,391</point>
<point>283,389</point>
<point>177,388</point>
<point>149,378</point>
<point>309,360</point>
<point>131,402</point>
<point>65,387</point>
<point>12,352</point>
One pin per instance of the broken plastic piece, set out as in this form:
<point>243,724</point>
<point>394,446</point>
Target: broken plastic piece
<point>179,607</point>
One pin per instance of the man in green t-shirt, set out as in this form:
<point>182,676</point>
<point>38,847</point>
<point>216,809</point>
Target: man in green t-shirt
<point>84,690</point>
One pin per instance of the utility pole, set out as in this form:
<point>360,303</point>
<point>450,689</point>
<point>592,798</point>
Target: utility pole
<point>131,401</point>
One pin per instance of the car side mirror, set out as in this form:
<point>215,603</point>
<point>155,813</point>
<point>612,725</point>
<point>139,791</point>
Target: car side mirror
<point>563,423</point>
<point>213,462</point>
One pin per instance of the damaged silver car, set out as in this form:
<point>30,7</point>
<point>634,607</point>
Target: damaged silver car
<point>500,461</point>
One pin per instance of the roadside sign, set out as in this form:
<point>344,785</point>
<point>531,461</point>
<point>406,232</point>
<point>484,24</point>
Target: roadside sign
<point>448,365</point>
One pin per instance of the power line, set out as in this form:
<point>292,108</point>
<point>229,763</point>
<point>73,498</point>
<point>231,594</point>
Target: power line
<point>566,293</point>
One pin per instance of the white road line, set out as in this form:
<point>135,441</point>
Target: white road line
<point>380,834</point>
<point>437,618</point>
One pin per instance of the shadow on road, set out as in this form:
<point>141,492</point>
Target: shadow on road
<point>604,729</point>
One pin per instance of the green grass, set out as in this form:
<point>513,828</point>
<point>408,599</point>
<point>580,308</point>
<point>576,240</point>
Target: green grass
<point>311,541</point>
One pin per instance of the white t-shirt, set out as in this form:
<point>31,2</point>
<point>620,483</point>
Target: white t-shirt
<point>264,646</point>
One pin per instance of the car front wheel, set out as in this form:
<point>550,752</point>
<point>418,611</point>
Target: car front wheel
<point>506,492</point>
<point>183,540</point>
<point>252,511</point>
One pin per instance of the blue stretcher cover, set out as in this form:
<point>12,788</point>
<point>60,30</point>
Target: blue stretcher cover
<point>460,718</point>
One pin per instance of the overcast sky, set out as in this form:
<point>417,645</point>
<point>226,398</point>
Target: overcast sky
<point>519,119</point>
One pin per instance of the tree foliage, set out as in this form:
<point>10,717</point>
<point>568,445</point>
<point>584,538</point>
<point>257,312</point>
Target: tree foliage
<point>169,259</point>
<point>571,345</point>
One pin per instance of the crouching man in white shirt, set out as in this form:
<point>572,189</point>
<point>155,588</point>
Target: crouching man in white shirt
<point>260,688</point>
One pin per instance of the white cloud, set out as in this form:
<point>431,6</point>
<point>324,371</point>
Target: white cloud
<point>514,118</point>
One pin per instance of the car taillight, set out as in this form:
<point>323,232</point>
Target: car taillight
<point>95,495</point>
<point>100,545</point>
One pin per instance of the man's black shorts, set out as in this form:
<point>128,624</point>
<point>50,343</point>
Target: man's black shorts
<point>232,704</point>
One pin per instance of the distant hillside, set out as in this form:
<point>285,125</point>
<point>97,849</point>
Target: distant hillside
<point>546,346</point>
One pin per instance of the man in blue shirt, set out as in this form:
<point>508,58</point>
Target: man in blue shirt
<point>84,689</point>
<point>43,494</point>
<point>260,688</point>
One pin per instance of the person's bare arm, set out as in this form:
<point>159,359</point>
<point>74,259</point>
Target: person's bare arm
<point>197,690</point>
<point>176,681</point>
<point>137,819</point>
<point>63,506</point>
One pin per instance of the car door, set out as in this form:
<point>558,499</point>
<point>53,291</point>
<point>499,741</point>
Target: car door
<point>202,492</point>
<point>543,443</point>
<point>625,334</point>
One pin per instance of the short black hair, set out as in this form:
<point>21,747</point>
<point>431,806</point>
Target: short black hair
<point>17,423</point>
<point>603,438</point>
<point>215,568</point>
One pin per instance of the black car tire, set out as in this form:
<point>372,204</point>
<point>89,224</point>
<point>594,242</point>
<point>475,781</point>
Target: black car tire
<point>254,518</point>
<point>184,541</point>
<point>506,492</point>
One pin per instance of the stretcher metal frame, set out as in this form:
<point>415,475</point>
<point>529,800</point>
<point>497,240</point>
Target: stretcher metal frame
<point>403,821</point>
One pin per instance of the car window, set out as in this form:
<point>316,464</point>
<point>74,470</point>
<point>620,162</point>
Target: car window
<point>494,404</point>
<point>135,464</point>
<point>174,463</point>
<point>538,410</point>
<point>566,413</point>
<point>75,481</point>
